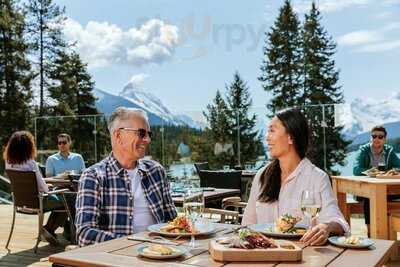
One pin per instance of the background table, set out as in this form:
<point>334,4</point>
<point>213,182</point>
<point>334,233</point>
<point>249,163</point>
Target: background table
<point>211,196</point>
<point>122,252</point>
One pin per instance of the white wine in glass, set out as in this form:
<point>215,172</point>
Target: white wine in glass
<point>193,205</point>
<point>311,203</point>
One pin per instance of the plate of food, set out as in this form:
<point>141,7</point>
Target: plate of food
<point>160,252</point>
<point>182,226</point>
<point>285,226</point>
<point>350,241</point>
<point>373,172</point>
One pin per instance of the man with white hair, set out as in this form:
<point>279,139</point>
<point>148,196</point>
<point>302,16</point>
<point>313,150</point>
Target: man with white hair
<point>124,193</point>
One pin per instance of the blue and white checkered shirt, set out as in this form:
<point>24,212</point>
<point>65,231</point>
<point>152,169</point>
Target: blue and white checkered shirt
<point>104,205</point>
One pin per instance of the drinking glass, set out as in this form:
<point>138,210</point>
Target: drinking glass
<point>311,203</point>
<point>226,167</point>
<point>193,205</point>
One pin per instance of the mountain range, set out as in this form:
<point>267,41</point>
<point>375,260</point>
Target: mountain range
<point>357,117</point>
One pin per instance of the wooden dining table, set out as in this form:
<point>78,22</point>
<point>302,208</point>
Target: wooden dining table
<point>123,252</point>
<point>377,190</point>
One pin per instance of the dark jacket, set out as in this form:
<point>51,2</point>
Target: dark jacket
<point>363,159</point>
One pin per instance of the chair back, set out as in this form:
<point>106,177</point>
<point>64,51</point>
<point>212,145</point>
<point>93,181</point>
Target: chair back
<point>221,179</point>
<point>24,188</point>
<point>200,166</point>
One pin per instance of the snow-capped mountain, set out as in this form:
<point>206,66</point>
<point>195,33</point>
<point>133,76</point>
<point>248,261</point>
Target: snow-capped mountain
<point>137,98</point>
<point>362,114</point>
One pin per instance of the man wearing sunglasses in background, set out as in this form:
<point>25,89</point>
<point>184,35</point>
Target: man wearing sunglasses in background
<point>64,160</point>
<point>125,192</point>
<point>375,154</point>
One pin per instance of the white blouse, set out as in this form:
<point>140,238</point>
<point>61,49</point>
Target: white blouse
<point>31,165</point>
<point>305,177</point>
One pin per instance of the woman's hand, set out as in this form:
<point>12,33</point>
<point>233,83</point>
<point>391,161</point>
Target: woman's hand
<point>318,235</point>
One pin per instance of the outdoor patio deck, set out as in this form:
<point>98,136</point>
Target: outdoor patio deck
<point>23,240</point>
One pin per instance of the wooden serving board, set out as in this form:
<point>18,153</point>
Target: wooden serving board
<point>220,252</point>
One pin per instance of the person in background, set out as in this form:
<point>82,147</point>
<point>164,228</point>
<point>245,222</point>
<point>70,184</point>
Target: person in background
<point>277,187</point>
<point>375,154</point>
<point>20,154</point>
<point>125,192</point>
<point>64,160</point>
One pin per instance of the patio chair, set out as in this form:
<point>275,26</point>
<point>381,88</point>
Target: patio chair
<point>235,204</point>
<point>224,216</point>
<point>69,199</point>
<point>27,199</point>
<point>221,179</point>
<point>200,166</point>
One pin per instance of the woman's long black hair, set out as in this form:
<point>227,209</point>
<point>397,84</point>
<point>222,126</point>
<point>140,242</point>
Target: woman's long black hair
<point>296,126</point>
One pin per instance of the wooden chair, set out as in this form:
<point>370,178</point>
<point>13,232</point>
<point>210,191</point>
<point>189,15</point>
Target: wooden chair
<point>224,216</point>
<point>221,179</point>
<point>27,199</point>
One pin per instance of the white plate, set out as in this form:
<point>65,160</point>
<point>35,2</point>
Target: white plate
<point>202,228</point>
<point>268,229</point>
<point>178,251</point>
<point>338,241</point>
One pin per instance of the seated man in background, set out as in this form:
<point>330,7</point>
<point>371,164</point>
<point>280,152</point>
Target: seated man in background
<point>125,192</point>
<point>375,154</point>
<point>64,160</point>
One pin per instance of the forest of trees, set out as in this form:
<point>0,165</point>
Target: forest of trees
<point>41,75</point>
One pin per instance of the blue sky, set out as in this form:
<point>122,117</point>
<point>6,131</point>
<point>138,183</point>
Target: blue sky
<point>183,51</point>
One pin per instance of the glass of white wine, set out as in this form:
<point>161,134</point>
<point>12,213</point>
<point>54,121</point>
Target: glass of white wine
<point>193,205</point>
<point>311,203</point>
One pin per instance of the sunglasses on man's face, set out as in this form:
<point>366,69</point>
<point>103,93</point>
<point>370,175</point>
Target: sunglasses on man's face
<point>62,142</point>
<point>142,133</point>
<point>379,136</point>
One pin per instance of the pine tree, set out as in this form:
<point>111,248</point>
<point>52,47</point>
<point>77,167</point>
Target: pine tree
<point>239,103</point>
<point>320,87</point>
<point>15,72</point>
<point>281,66</point>
<point>72,88</point>
<point>220,127</point>
<point>44,20</point>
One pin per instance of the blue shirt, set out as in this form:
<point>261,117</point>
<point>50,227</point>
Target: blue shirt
<point>57,164</point>
<point>104,204</point>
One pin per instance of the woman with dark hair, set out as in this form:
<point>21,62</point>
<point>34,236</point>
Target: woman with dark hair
<point>20,154</point>
<point>277,187</point>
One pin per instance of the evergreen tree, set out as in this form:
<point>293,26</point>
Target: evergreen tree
<point>320,87</point>
<point>44,20</point>
<point>72,89</point>
<point>15,72</point>
<point>239,104</point>
<point>281,65</point>
<point>220,127</point>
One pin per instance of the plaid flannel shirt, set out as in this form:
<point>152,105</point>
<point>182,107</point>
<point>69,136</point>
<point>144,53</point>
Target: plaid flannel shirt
<point>104,206</point>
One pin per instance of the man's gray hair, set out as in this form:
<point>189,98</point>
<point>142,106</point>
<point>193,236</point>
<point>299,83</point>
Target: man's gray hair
<point>123,114</point>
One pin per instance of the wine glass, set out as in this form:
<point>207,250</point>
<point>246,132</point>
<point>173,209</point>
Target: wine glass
<point>311,203</point>
<point>193,205</point>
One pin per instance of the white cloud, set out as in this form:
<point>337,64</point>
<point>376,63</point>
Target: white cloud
<point>373,40</point>
<point>138,79</point>
<point>327,5</point>
<point>380,47</point>
<point>359,38</point>
<point>102,44</point>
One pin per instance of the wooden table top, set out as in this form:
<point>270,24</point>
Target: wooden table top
<point>367,179</point>
<point>123,252</point>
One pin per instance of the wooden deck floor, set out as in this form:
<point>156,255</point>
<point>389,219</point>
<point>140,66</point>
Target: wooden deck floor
<point>25,231</point>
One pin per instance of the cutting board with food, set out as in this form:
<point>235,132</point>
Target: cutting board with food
<point>253,246</point>
<point>391,174</point>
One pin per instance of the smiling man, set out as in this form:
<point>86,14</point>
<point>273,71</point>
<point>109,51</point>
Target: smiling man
<point>124,193</point>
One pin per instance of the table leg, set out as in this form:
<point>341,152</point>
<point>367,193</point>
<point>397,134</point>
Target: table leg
<point>341,198</point>
<point>378,211</point>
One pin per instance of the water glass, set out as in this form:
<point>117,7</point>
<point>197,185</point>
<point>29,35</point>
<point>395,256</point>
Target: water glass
<point>193,205</point>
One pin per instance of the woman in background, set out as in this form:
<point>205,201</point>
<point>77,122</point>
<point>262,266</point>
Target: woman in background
<point>277,187</point>
<point>20,154</point>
